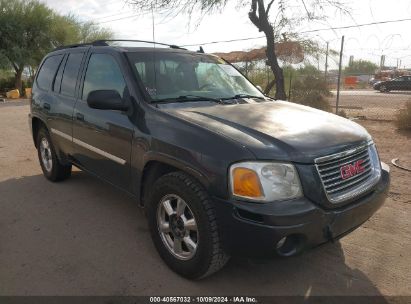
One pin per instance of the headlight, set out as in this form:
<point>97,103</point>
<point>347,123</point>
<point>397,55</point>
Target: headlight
<point>266,182</point>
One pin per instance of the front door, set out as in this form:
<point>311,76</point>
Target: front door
<point>102,138</point>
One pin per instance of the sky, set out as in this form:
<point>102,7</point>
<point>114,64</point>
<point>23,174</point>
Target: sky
<point>392,40</point>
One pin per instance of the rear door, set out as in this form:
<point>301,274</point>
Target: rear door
<point>102,138</point>
<point>64,95</point>
<point>43,101</point>
<point>408,84</point>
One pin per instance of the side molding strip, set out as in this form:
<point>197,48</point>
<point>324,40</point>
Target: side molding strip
<point>59,133</point>
<point>89,147</point>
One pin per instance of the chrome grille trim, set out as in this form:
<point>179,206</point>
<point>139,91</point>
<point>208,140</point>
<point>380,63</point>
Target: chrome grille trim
<point>350,184</point>
<point>339,177</point>
<point>324,159</point>
<point>338,189</point>
<point>358,156</point>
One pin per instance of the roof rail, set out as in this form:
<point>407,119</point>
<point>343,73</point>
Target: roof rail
<point>105,43</point>
<point>101,42</point>
<point>69,46</point>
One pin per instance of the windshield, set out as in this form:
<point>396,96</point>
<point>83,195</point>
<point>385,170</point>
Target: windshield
<point>168,75</point>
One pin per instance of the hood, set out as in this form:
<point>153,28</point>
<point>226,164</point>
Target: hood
<point>278,130</point>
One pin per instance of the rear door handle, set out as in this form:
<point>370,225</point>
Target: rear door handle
<point>46,106</point>
<point>79,116</point>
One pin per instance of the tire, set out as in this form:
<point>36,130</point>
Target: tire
<point>384,89</point>
<point>53,170</point>
<point>179,189</point>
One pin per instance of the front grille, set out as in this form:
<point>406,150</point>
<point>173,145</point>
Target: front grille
<point>339,189</point>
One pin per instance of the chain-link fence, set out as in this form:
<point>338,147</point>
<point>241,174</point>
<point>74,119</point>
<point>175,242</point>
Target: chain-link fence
<point>358,98</point>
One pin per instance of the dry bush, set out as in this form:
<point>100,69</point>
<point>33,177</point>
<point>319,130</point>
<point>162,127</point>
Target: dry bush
<point>311,91</point>
<point>403,119</point>
<point>342,113</point>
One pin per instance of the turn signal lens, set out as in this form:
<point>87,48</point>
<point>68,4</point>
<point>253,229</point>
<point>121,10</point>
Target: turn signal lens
<point>246,183</point>
<point>265,181</point>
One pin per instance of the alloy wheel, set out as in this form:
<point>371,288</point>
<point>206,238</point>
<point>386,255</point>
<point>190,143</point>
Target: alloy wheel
<point>177,227</point>
<point>46,156</point>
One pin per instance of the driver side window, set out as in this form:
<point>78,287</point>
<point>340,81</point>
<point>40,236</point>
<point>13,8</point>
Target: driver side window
<point>103,73</point>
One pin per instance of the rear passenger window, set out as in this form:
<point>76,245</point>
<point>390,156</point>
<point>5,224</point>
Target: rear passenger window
<point>47,71</point>
<point>103,73</point>
<point>57,81</point>
<point>68,83</point>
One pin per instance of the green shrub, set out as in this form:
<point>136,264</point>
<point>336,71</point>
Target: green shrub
<point>311,91</point>
<point>6,83</point>
<point>403,119</point>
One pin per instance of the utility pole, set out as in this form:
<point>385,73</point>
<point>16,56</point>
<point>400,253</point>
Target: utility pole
<point>326,62</point>
<point>291,83</point>
<point>382,62</point>
<point>339,75</point>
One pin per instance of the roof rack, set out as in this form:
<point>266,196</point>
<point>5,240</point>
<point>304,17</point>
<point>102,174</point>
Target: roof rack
<point>69,46</point>
<point>173,46</point>
<point>105,43</point>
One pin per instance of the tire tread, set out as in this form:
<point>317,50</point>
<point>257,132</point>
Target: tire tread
<point>218,256</point>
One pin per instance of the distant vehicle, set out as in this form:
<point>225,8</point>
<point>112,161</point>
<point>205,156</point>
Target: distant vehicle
<point>373,81</point>
<point>402,83</point>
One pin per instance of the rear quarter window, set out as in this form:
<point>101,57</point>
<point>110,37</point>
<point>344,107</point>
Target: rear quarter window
<point>48,71</point>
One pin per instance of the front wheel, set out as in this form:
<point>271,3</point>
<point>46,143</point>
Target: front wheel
<point>183,226</point>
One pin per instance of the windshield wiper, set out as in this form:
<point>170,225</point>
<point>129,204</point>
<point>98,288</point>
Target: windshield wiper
<point>187,98</point>
<point>243,96</point>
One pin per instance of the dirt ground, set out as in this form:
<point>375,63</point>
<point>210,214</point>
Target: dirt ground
<point>82,237</point>
<point>372,104</point>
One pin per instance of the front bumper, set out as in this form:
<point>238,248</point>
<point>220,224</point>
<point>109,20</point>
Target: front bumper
<point>255,229</point>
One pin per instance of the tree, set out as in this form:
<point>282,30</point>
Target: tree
<point>287,16</point>
<point>29,30</point>
<point>23,33</point>
<point>69,30</point>
<point>4,63</point>
<point>361,67</point>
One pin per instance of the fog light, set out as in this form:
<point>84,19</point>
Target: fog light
<point>290,245</point>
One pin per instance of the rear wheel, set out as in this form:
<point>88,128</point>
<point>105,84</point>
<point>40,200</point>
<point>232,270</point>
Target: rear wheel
<point>52,168</point>
<point>183,226</point>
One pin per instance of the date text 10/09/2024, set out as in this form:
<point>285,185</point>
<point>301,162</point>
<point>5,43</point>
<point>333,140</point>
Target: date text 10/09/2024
<point>238,299</point>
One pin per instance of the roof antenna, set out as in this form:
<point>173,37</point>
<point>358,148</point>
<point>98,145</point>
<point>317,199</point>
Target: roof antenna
<point>152,18</point>
<point>201,50</point>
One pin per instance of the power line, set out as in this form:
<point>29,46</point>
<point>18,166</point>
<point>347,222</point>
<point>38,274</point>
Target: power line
<point>122,18</point>
<point>112,15</point>
<point>305,32</point>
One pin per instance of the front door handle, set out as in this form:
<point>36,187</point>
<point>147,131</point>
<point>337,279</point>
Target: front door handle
<point>46,106</point>
<point>79,116</point>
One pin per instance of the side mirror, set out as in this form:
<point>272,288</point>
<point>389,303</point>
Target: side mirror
<point>106,100</point>
<point>259,88</point>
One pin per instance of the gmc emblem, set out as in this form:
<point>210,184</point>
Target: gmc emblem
<point>352,169</point>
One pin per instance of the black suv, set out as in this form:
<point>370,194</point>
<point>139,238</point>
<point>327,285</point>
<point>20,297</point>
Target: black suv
<point>402,83</point>
<point>220,168</point>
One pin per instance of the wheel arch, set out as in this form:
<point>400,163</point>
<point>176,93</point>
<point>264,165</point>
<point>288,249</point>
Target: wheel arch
<point>36,124</point>
<point>155,168</point>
